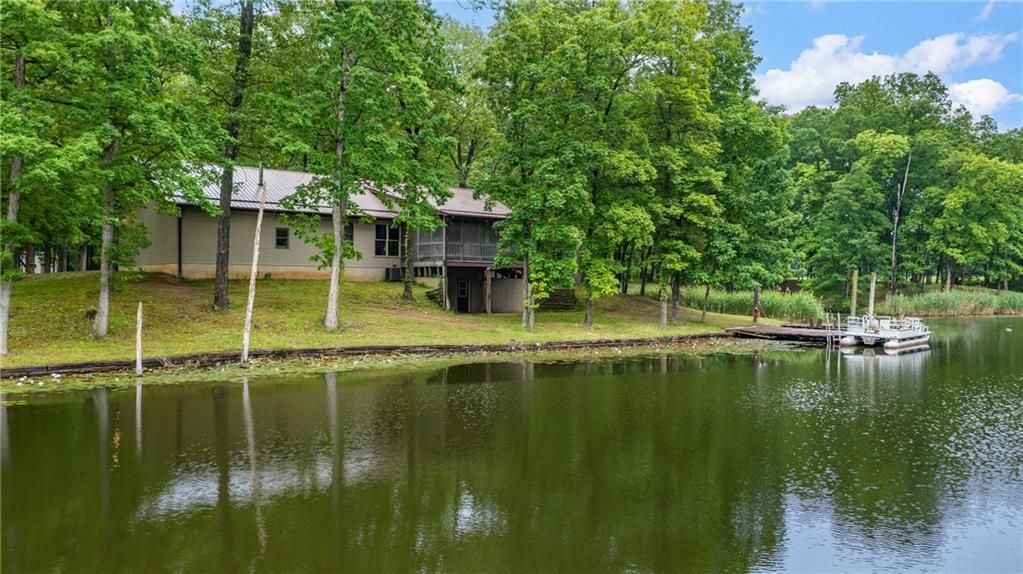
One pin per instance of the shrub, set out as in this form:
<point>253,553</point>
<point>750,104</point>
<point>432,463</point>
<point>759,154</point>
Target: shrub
<point>958,302</point>
<point>776,304</point>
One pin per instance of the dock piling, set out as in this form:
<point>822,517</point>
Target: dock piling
<point>855,290</point>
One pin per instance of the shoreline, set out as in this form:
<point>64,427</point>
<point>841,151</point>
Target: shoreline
<point>312,364</point>
<point>221,358</point>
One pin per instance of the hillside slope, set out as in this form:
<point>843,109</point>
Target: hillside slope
<point>49,322</point>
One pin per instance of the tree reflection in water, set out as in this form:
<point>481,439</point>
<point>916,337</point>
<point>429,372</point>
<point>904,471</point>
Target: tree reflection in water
<point>780,460</point>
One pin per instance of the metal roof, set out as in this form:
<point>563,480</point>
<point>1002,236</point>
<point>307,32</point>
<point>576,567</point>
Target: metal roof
<point>281,183</point>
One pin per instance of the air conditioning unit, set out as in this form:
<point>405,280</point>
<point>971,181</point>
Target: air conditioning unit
<point>394,273</point>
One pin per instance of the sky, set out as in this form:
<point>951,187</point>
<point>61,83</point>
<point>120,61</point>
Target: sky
<point>808,47</point>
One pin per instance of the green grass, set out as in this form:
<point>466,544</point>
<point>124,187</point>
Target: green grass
<point>960,301</point>
<point>49,324</point>
<point>799,306</point>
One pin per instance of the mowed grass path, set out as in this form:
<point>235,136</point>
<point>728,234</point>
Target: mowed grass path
<point>49,323</point>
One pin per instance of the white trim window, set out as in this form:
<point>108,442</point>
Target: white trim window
<point>387,242</point>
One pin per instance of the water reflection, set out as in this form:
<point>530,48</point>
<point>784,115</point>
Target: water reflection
<point>138,417</point>
<point>778,460</point>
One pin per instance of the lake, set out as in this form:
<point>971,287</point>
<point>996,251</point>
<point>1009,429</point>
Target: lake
<point>764,461</point>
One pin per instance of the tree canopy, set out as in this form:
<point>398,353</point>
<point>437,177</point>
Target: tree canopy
<point>627,138</point>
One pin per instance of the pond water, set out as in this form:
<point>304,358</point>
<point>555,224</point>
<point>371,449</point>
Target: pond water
<point>774,460</point>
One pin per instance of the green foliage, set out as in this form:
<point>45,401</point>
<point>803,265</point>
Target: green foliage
<point>959,302</point>
<point>801,306</point>
<point>978,213</point>
<point>626,138</point>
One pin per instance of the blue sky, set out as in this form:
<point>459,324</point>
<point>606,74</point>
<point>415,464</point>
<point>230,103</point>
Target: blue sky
<point>808,47</point>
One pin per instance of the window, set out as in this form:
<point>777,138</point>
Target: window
<point>350,233</point>
<point>387,242</point>
<point>281,238</point>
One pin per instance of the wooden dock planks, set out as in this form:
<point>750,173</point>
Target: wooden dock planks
<point>784,333</point>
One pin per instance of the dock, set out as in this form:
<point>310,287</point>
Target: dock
<point>805,334</point>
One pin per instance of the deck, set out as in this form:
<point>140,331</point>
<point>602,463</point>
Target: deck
<point>785,333</point>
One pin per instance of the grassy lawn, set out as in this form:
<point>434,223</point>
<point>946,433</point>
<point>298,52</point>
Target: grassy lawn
<point>49,324</point>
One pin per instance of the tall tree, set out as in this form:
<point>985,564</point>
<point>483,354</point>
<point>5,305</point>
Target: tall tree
<point>597,63</point>
<point>30,39</point>
<point>129,92</point>
<point>979,215</point>
<point>535,172</point>
<point>226,78</point>
<point>851,228</point>
<point>674,92</point>
<point>749,247</point>
<point>421,79</point>
<point>469,121</point>
<point>341,117</point>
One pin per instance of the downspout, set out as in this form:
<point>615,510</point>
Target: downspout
<point>180,271</point>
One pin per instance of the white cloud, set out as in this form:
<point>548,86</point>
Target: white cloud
<point>835,58</point>
<point>983,96</point>
<point>985,12</point>
<point>754,9</point>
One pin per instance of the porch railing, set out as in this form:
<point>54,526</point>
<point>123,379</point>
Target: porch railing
<point>471,251</point>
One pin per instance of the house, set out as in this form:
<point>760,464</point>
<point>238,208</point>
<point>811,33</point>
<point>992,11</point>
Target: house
<point>457,257</point>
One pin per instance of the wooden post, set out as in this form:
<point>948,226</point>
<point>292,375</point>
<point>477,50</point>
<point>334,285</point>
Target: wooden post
<point>855,291</point>
<point>444,266</point>
<point>870,303</point>
<point>444,286</point>
<point>488,275</point>
<point>138,342</point>
<point>255,268</point>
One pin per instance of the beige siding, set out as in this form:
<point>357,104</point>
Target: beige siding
<point>163,237</point>
<point>199,248</point>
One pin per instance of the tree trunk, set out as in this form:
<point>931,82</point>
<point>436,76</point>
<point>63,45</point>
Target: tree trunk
<point>62,264</point>
<point>706,301</point>
<point>406,247</point>
<point>100,324</point>
<point>47,258</point>
<point>525,293</point>
<point>664,307</point>
<point>676,301</point>
<point>220,299</point>
<point>30,259</point>
<point>642,281</point>
<point>895,224</point>
<point>250,303</point>
<point>138,342</point>
<point>532,310</point>
<point>83,261</point>
<point>13,203</point>
<point>948,278</point>
<point>756,304</point>
<point>331,321</point>
<point>246,24</point>
<point>341,201</point>
<point>588,310</point>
